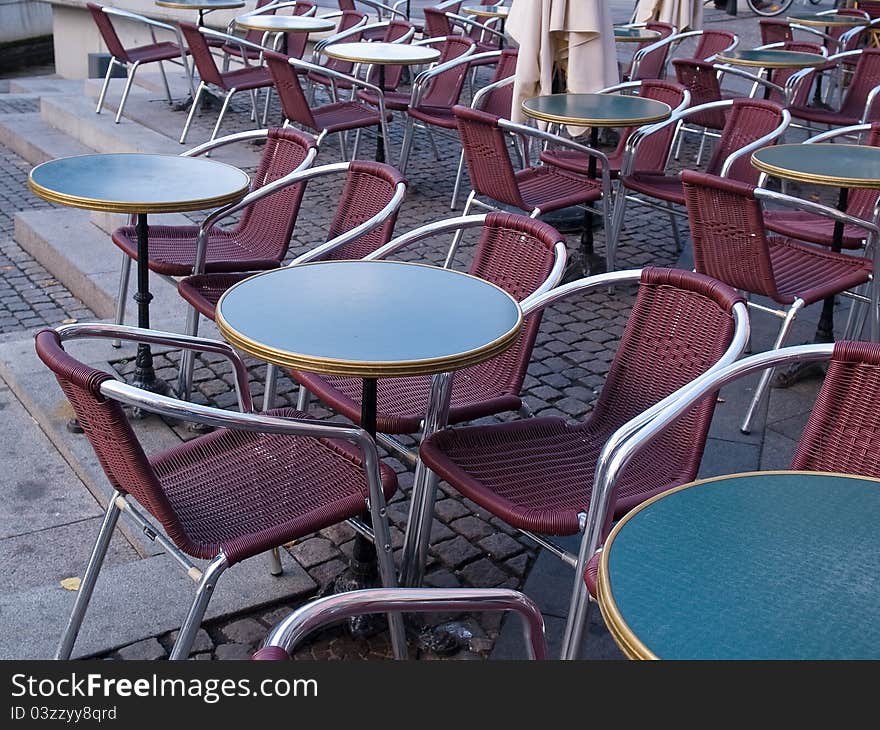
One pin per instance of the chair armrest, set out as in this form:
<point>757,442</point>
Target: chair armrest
<point>869,103</point>
<point>757,144</point>
<point>486,90</point>
<point>420,82</point>
<point>810,206</point>
<point>525,131</point>
<point>309,617</point>
<point>724,70</point>
<point>428,230</point>
<point>359,230</point>
<point>382,8</point>
<point>462,20</point>
<point>838,132</point>
<point>815,31</point>
<point>342,35</point>
<point>167,339</point>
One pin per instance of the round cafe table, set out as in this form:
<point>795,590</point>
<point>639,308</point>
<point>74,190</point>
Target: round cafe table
<point>756,566</point>
<point>203,6</point>
<point>490,11</point>
<point>594,111</point>
<point>843,166</point>
<point>835,20</point>
<point>139,184</point>
<point>371,320</point>
<point>635,35</point>
<point>284,24</point>
<point>769,60</point>
<point>381,55</point>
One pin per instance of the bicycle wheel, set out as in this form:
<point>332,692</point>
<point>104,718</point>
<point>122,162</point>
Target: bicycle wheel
<point>768,8</point>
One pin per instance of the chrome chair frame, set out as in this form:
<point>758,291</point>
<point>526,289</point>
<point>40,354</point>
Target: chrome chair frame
<point>131,69</point>
<point>290,631</point>
<point>621,197</point>
<point>245,420</point>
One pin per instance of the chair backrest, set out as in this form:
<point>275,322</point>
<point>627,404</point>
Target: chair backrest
<point>393,74</point>
<point>294,104</point>
<point>871,7</point>
<point>712,42</point>
<point>774,30</point>
<point>781,75</point>
<point>727,233</point>
<point>108,430</point>
<point>488,161</point>
<point>348,20</point>
<point>861,201</point>
<point>865,77</point>
<point>747,121</point>
<point>680,325</point>
<point>653,64</point>
<point>265,227</point>
<point>841,434</point>
<point>653,152</point>
<point>369,187</point>
<point>108,32</point>
<point>499,101</point>
<point>437,24</point>
<point>516,253</point>
<point>445,88</point>
<point>701,79</point>
<point>298,42</point>
<point>202,56</point>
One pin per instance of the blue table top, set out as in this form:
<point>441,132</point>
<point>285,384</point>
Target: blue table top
<point>773,565</point>
<point>369,318</point>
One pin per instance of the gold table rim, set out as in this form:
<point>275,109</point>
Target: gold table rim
<point>589,122</point>
<point>364,368</point>
<point>78,201</point>
<point>814,178</point>
<point>432,54</point>
<point>623,635</point>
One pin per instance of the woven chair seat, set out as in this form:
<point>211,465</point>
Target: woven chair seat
<point>810,227</point>
<point>173,250</point>
<point>154,52</point>
<point>578,162</point>
<point>324,80</point>
<point>657,185</point>
<point>396,100</point>
<point>439,116</point>
<point>551,188</point>
<point>244,79</point>
<point>811,273</point>
<point>537,474</point>
<point>343,115</point>
<point>203,291</point>
<point>823,116</point>
<point>244,493</point>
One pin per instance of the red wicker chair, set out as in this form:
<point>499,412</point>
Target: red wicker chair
<point>535,189</point>
<point>841,434</point>
<point>249,78</point>
<point>751,124</point>
<point>132,58</point>
<point>520,255</point>
<point>538,474</point>
<point>336,117</point>
<point>262,236</point>
<point>774,30</point>
<point>650,57</point>
<point>730,244</point>
<point>350,30</point>
<point>443,24</point>
<point>807,226</point>
<point>217,497</point>
<point>366,213</point>
<point>653,154</point>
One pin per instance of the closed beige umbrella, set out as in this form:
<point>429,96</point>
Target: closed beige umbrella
<point>575,35</point>
<point>683,14</point>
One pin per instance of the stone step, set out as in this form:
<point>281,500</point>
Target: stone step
<point>81,256</point>
<point>32,139</point>
<point>135,601</point>
<point>43,85</point>
<point>75,116</point>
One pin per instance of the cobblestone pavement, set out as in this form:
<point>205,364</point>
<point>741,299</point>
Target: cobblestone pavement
<point>469,547</point>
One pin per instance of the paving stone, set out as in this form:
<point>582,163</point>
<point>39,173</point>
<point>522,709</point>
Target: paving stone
<point>483,573</point>
<point>455,552</point>
<point>500,546</point>
<point>312,551</point>
<point>473,528</point>
<point>233,652</point>
<point>244,631</point>
<point>202,642</point>
<point>146,650</point>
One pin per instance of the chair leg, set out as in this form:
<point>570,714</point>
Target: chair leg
<point>617,219</point>
<point>702,145</point>
<point>357,144</point>
<point>192,111</point>
<point>90,577</point>
<point>406,145</point>
<point>266,105</point>
<point>254,115</point>
<point>223,109</point>
<point>385,560</point>
<point>122,293</point>
<point>302,399</point>
<point>188,357</point>
<point>165,82</point>
<point>764,383</point>
<point>579,604</point>
<point>193,620</point>
<point>274,556</point>
<point>679,138</point>
<point>342,149</point>
<point>456,239</point>
<point>106,85</point>
<point>433,142</point>
<point>676,236</point>
<point>457,187</point>
<point>130,71</point>
<point>271,387</point>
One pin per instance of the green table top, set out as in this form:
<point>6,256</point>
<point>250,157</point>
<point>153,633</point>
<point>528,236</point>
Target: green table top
<point>284,23</point>
<point>138,183</point>
<point>771,58</point>
<point>840,165</point>
<point>776,565</point>
<point>382,53</point>
<point>596,110</point>
<point>369,319</point>
<point>829,21</point>
<point>635,35</point>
